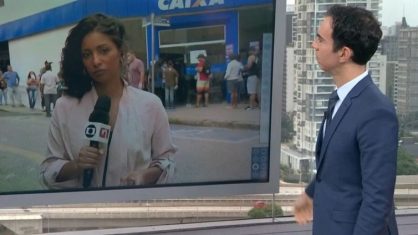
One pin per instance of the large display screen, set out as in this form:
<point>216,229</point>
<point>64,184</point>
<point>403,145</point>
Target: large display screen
<point>195,109</point>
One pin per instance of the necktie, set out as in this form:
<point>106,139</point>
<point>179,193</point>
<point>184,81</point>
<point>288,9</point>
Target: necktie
<point>333,98</point>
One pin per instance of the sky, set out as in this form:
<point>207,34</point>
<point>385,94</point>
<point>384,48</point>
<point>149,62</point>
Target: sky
<point>394,10</point>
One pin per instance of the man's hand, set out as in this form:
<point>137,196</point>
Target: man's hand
<point>303,209</point>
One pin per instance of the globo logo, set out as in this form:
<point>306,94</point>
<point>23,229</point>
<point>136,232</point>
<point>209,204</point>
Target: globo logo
<point>90,131</point>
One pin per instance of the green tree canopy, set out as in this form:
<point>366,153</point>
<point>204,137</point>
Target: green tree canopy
<point>287,128</point>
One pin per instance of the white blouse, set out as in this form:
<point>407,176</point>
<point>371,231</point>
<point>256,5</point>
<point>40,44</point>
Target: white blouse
<point>140,139</point>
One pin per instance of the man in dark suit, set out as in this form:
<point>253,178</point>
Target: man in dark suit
<point>352,192</point>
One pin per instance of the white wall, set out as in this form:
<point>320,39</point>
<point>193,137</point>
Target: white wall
<point>29,53</point>
<point>16,9</point>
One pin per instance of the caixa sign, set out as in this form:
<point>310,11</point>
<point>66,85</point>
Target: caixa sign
<point>166,5</point>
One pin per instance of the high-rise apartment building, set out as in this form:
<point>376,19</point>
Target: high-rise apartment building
<point>377,69</point>
<point>313,86</point>
<point>289,81</point>
<point>289,78</point>
<point>389,48</point>
<point>406,77</point>
<point>401,47</point>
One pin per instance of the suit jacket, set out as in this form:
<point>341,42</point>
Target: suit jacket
<point>356,166</point>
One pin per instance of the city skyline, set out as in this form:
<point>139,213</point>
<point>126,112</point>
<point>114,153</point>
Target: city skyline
<point>394,10</point>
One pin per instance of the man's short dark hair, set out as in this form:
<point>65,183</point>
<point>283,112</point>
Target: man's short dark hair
<point>356,28</point>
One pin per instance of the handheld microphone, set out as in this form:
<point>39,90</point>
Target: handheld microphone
<point>97,131</point>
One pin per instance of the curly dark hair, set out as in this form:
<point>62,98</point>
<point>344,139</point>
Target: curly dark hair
<point>356,28</point>
<point>75,77</point>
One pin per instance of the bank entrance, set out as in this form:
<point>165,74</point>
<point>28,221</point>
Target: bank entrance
<point>182,46</point>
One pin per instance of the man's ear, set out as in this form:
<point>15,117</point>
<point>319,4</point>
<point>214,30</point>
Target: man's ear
<point>346,54</point>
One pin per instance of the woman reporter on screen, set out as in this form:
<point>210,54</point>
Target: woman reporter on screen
<point>140,147</point>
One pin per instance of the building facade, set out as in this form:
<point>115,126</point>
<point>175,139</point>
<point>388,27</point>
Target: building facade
<point>156,30</point>
<point>406,78</point>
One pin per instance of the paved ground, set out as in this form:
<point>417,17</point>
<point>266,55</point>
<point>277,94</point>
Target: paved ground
<point>216,115</point>
<point>5,109</point>
<point>407,225</point>
<point>220,115</point>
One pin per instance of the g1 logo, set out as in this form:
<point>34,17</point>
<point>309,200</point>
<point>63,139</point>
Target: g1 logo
<point>104,133</point>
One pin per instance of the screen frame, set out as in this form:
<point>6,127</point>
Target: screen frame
<point>188,191</point>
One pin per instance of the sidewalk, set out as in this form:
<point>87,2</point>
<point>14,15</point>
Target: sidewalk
<point>219,115</point>
<point>20,110</point>
<point>215,115</point>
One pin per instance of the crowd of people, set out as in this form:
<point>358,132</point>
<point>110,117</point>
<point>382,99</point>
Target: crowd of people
<point>45,85</point>
<point>242,82</point>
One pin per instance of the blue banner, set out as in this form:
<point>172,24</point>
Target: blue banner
<point>74,11</point>
<point>162,7</point>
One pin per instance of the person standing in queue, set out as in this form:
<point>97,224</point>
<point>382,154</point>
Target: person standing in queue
<point>233,77</point>
<point>252,70</point>
<point>202,81</point>
<point>136,71</point>
<point>3,89</point>
<point>356,151</point>
<point>13,81</point>
<point>171,84</point>
<point>32,84</point>
<point>49,82</point>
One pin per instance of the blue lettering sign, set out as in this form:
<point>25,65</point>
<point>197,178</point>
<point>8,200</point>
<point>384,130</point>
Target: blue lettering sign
<point>166,5</point>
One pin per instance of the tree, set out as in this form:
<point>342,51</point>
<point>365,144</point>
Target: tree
<point>284,171</point>
<point>287,128</point>
<point>406,122</point>
<point>407,164</point>
<point>288,175</point>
